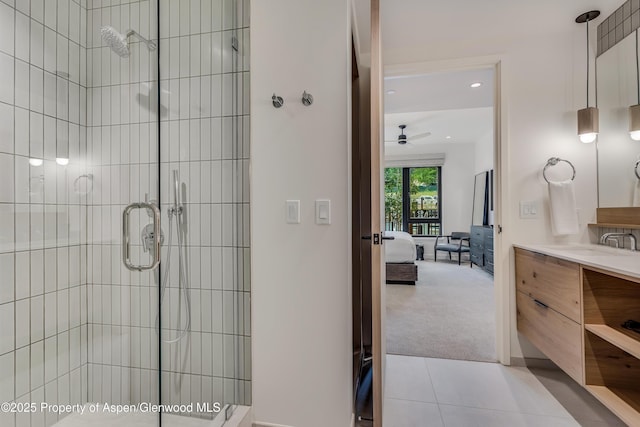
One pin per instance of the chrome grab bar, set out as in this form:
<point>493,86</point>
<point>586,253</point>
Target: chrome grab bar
<point>126,238</point>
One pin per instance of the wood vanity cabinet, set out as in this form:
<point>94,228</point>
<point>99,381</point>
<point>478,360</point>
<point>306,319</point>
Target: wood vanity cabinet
<point>574,314</point>
<point>548,308</point>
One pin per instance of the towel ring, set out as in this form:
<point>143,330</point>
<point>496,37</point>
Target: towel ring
<point>555,160</point>
<point>635,169</point>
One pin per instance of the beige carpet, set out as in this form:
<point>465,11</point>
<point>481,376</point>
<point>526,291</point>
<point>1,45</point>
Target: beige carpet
<point>449,314</point>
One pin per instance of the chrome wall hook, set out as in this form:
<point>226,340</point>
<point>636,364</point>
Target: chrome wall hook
<point>277,101</point>
<point>307,99</point>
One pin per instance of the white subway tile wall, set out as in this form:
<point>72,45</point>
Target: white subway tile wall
<point>42,214</point>
<point>618,25</point>
<point>75,325</point>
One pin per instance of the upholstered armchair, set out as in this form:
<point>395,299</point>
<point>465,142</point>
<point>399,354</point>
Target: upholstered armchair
<point>457,242</point>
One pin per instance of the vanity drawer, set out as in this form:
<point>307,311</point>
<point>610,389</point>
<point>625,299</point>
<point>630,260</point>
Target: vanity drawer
<point>552,281</point>
<point>558,337</point>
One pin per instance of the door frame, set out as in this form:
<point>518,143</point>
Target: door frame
<point>379,349</point>
<point>505,317</point>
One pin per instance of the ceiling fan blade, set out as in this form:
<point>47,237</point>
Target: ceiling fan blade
<point>420,135</point>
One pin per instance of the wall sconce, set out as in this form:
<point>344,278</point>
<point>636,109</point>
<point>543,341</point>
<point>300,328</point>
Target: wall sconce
<point>588,125</point>
<point>634,110</point>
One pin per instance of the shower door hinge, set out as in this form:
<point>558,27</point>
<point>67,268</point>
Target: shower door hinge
<point>234,43</point>
<point>376,239</point>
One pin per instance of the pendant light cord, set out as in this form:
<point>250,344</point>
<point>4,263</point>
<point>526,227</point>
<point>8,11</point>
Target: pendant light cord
<point>637,69</point>
<point>587,63</point>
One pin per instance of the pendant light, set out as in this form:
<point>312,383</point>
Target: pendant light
<point>634,110</point>
<point>588,117</point>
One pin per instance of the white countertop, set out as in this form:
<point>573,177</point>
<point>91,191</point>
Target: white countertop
<point>621,261</point>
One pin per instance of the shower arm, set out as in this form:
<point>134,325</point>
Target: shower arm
<point>150,44</point>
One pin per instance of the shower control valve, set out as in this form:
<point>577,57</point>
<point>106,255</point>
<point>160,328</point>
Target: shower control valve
<point>147,236</point>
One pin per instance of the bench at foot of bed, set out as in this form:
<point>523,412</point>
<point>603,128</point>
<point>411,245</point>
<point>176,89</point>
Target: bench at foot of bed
<point>404,273</point>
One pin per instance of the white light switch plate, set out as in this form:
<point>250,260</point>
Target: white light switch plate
<point>529,209</point>
<point>323,211</point>
<point>293,211</point>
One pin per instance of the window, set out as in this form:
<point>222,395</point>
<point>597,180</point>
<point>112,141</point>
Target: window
<point>413,200</point>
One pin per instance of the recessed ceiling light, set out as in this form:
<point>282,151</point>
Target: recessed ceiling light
<point>448,136</point>
<point>476,84</point>
<point>391,92</point>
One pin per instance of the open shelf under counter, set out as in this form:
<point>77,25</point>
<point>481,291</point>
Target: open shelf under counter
<point>622,402</point>
<point>616,337</point>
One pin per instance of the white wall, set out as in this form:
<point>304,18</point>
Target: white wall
<point>543,83</point>
<point>301,287</point>
<point>484,153</point>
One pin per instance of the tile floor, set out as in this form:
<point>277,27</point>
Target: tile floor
<point>454,393</point>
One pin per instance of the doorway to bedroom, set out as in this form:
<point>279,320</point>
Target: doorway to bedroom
<point>439,161</point>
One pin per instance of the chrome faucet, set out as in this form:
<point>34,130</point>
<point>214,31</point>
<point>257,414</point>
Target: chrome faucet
<point>608,236</point>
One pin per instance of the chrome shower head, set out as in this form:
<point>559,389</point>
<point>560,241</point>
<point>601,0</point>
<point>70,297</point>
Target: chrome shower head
<point>116,41</point>
<point>120,43</point>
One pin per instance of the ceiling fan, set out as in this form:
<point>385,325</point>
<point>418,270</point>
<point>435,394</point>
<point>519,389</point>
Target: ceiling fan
<point>403,139</point>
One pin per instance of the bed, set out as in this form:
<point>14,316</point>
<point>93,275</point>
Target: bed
<point>400,256</point>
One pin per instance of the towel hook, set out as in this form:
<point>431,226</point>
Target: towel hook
<point>635,169</point>
<point>277,101</point>
<point>554,161</point>
<point>307,99</point>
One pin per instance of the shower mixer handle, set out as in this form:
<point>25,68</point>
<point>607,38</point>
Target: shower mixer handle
<point>126,236</point>
<point>148,237</point>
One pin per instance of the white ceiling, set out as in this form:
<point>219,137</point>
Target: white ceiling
<point>408,24</point>
<point>462,125</point>
<point>443,103</point>
<point>439,91</point>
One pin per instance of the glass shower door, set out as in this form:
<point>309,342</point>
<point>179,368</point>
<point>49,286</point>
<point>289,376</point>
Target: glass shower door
<point>204,154</point>
<point>125,228</point>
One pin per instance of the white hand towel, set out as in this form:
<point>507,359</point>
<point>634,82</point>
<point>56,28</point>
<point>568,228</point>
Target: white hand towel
<point>562,203</point>
<point>636,193</point>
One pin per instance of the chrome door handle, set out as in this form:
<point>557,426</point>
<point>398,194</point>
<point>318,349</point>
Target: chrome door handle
<point>126,238</point>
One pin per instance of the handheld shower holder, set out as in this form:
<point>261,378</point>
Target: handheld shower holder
<point>173,210</point>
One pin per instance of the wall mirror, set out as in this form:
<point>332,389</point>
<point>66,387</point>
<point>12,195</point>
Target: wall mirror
<point>617,152</point>
<point>480,214</point>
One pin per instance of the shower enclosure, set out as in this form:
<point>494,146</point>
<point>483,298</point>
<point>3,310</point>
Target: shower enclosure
<point>124,212</point>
